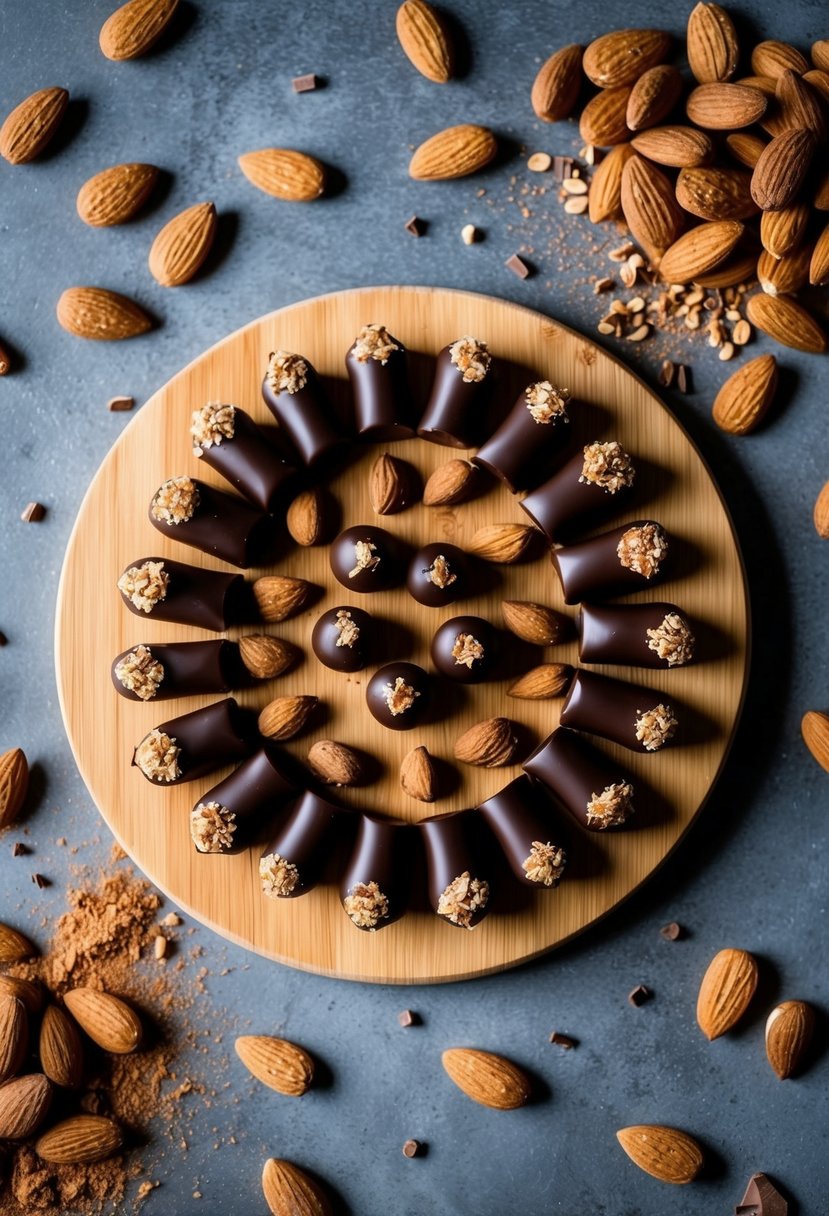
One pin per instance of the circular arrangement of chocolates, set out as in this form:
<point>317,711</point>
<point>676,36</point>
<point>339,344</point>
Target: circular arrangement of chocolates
<point>471,856</point>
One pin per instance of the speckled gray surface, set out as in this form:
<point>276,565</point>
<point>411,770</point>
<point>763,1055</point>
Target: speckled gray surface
<point>752,873</point>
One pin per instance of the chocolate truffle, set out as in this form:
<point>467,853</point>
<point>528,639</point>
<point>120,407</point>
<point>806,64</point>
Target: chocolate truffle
<point>178,669</point>
<point>221,524</point>
<point>227,439</point>
<point>635,635</point>
<point>342,638</point>
<point>638,718</point>
<point>295,858</point>
<point>438,574</point>
<point>464,649</point>
<point>457,875</point>
<point>626,559</point>
<point>521,817</point>
<point>533,430</point>
<point>165,590</point>
<point>374,888</point>
<point>594,482</point>
<point>597,793</point>
<point>376,365</point>
<point>398,695</point>
<point>463,376</point>
<point>365,558</point>
<point>293,393</point>
<point>196,744</point>
<point>232,815</point>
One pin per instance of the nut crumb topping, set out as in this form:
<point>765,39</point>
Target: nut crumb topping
<point>145,585</point>
<point>286,373</point>
<point>608,466</point>
<point>672,640</point>
<point>211,424</point>
<point>399,696</point>
<point>463,898</point>
<point>471,358</point>
<point>440,573</point>
<point>545,403</point>
<point>655,726</point>
<point>374,342</point>
<point>467,649</point>
<point>643,549</point>
<point>140,673</point>
<point>157,757</point>
<point>279,876</point>
<point>365,557</point>
<point>366,905</point>
<point>212,827</point>
<point>175,501</point>
<point>347,628</point>
<point>611,807</point>
<point>545,864</point>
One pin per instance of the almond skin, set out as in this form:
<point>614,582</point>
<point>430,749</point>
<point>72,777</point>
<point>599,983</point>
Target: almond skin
<point>101,315</point>
<point>713,50</point>
<point>454,152</point>
<point>286,717</point>
<point>772,58</point>
<point>676,147</point>
<point>60,1049</point>
<point>24,1104</point>
<point>486,1078</point>
<point>182,245</point>
<point>603,120</point>
<point>745,147</point>
<point>745,397</point>
<point>533,623</point>
<point>650,208</point>
<point>110,1022</point>
<point>739,268</point>
<point>132,29</point>
<point>31,125</point>
<point>725,107</point>
<point>782,276</point>
<point>800,105</point>
<point>488,744</point>
<point>280,1065</point>
<point>305,519</point>
<point>266,657</point>
<point>279,597</point>
<point>653,96</point>
<point>818,277</point>
<point>789,1030</point>
<point>716,194</point>
<point>27,991</point>
<point>781,170</point>
<point>540,683</point>
<point>80,1140</point>
<point>284,173</point>
<point>819,82</point>
<point>14,947</point>
<point>622,56</point>
<point>820,516</point>
<point>289,1191</point>
<point>699,250</point>
<point>115,195</point>
<point>726,991</point>
<point>605,198</point>
<point>335,763</point>
<point>782,231</point>
<point>418,777</point>
<point>504,543</point>
<point>425,40</point>
<point>391,485</point>
<point>14,785</point>
<point>820,54</point>
<point>557,86</point>
<point>14,1036</point>
<point>663,1152</point>
<point>783,319</point>
<point>815,725</point>
<point>450,484</point>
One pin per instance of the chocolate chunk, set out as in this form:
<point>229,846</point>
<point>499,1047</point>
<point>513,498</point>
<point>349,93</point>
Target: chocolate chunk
<point>118,405</point>
<point>627,559</point>
<point>635,635</point>
<point>33,513</point>
<point>438,574</point>
<point>232,815</point>
<point>639,995</point>
<point>464,649</point>
<point>684,381</point>
<point>597,793</point>
<point>377,368</point>
<point>19,849</point>
<point>412,1148</point>
<point>343,638</point>
<point>4,641</point>
<point>594,482</point>
<point>220,524</point>
<point>563,1040</point>
<point>397,695</point>
<point>762,1198</point>
<point>562,167</point>
<point>518,266</point>
<point>366,558</point>
<point>165,590</point>
<point>178,669</point>
<point>229,441</point>
<point>293,862</point>
<point>294,394</point>
<point>667,372</point>
<point>41,882</point>
<point>407,1017</point>
<point>638,718</point>
<point>457,874</point>
<point>374,888</point>
<point>462,383</point>
<point>197,743</point>
<point>672,932</point>
<point>305,84</point>
<point>416,226</point>
<point>521,817</point>
<point>533,430</point>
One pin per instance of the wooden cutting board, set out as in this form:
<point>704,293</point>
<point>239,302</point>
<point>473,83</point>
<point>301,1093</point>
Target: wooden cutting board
<point>93,625</point>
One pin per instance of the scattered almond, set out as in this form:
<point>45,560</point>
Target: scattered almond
<point>650,208</point>
<point>622,56</point>
<point>266,657</point>
<point>284,173</point>
<point>14,947</point>
<point>700,250</point>
<point>663,1152</point>
<point>450,484</point>
<point>305,519</point>
<point>745,397</point>
<point>539,162</point>
<point>785,275</point>
<point>31,125</point>
<point>503,543</point>
<point>276,1063</point>
<point>14,1036</point>
<point>745,147</point>
<point>557,86</point>
<point>787,322</point>
<point>781,170</point>
<point>181,247</point>
<point>27,991</point>
<point>534,623</point>
<point>487,744</point>
<point>676,147</point>
<point>335,763</point>
<point>133,28</point>
<point>24,1104</point>
<point>418,777</point>
<point>713,51</point>
<point>425,40</point>
<point>605,198</point>
<point>726,991</point>
<point>821,512</point>
<point>818,277</point>
<point>110,1022</point>
<point>289,1191</point>
<point>391,485</point>
<point>603,120</point>
<point>711,193</point>
<point>772,58</point>
<point>278,597</point>
<point>454,152</point>
<point>782,231</point>
<point>285,717</point>
<point>60,1048</point>
<point>653,96</point>
<point>95,312</point>
<point>487,1078</point>
<point>540,683</point>
<point>800,106</point>
<point>80,1140</point>
<point>115,195</point>
<point>815,730</point>
<point>14,784</point>
<point>789,1029</point>
<point>725,107</point>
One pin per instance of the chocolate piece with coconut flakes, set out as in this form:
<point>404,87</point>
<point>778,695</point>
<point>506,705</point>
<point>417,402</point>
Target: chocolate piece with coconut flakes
<point>195,744</point>
<point>637,718</point>
<point>397,695</point>
<point>521,817</point>
<point>625,560</point>
<point>165,590</point>
<point>594,482</point>
<point>597,793</point>
<point>294,394</point>
<point>464,649</point>
<point>374,890</point>
<point>377,368</point>
<point>438,575</point>
<point>635,635</point>
<point>220,524</point>
<point>342,638</point>
<point>533,431</point>
<point>295,857</point>
<point>457,874</point>
<point>366,558</point>
<point>462,383</point>
<point>178,669</point>
<point>234,814</point>
<point>227,439</point>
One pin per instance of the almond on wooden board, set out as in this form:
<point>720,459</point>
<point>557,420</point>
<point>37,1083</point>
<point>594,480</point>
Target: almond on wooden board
<point>487,744</point>
<point>133,28</point>
<point>80,1140</point>
<point>725,107</point>
<point>286,717</point>
<point>557,85</point>
<point>454,152</point>
<point>782,231</point>
<point>423,35</point>
<point>533,623</point>
<point>604,202</point>
<point>726,991</point>
<point>289,1191</point>
<point>115,195</point>
<point>653,96</point>
<point>745,397</point>
<point>31,125</point>
<point>280,1065</point>
<point>711,193</point>
<point>335,763</point>
<point>789,1029</point>
<point>818,276</point>
<point>393,484</point>
<point>540,683</point>
<point>279,597</point>
<point>603,120</point>
<point>182,245</point>
<point>110,1022</point>
<point>14,1036</point>
<point>650,207</point>
<point>623,55</point>
<point>101,315</point>
<point>60,1048</point>
<point>14,947</point>
<point>504,543</point>
<point>815,724</point>
<point>284,173</point>
<point>663,1152</point>
<point>674,146</point>
<point>266,657</point>
<point>713,50</point>
<point>772,58</point>
<point>24,1104</point>
<point>699,250</point>
<point>450,484</point>
<point>788,322</point>
<point>306,517</point>
<point>745,147</point>
<point>487,1078</point>
<point>418,777</point>
<point>14,784</point>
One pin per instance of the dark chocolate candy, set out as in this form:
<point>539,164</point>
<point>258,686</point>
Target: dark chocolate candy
<point>593,790</point>
<point>366,558</point>
<point>594,482</point>
<point>178,669</point>
<point>463,377</point>
<point>521,818</point>
<point>638,718</point>
<point>196,744</point>
<point>227,439</point>
<point>374,889</point>
<point>233,814</point>
<point>342,638</point>
<point>295,858</point>
<point>398,695</point>
<point>164,590</point>
<point>457,874</point>
<point>438,574</point>
<point>615,563</point>
<point>376,365</point>
<point>534,429</point>
<point>635,635</point>
<point>294,394</point>
<point>464,649</point>
<point>217,523</point>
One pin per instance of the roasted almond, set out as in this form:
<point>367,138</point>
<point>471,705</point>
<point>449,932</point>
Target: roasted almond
<point>266,657</point>
<point>604,201</point>
<point>700,250</point>
<point>60,1048</point>
<point>603,120</point>
<point>726,991</point>
<point>745,397</point>
<point>782,276</point>
<point>821,199</point>
<point>739,268</point>
<point>788,322</point>
<point>773,58</point>
<point>789,1029</point>
<point>821,514</point>
<point>450,484</point>
<point>782,231</point>
<point>557,86</point>
<point>278,597</point>
<point>80,1140</point>
<point>763,84</point>
<point>28,991</point>
<point>725,107</point>
<point>533,623</point>
<point>713,50</point>
<point>392,485</point>
<point>95,312</point>
<point>676,147</point>
<point>820,54</point>
<point>24,1104</point>
<point>716,194</point>
<point>280,1065</point>
<point>815,725</point>
<point>115,195</point>
<point>800,105</point>
<point>182,245</point>
<point>487,744</point>
<point>622,56</point>
<point>540,683</point>
<point>650,208</point>
<point>653,96</point>
<point>284,173</point>
<point>418,777</point>
<point>306,517</point>
<point>819,82</point>
<point>745,147</point>
<point>503,543</point>
<point>663,1152</point>
<point>454,152</point>
<point>14,784</point>
<point>110,1022</point>
<point>133,28</point>
<point>818,276</point>
<point>336,763</point>
<point>781,170</point>
<point>14,947</point>
<point>286,717</point>
<point>289,1191</point>
<point>487,1078</point>
<point>425,40</point>
<point>14,1036</point>
<point>31,125</point>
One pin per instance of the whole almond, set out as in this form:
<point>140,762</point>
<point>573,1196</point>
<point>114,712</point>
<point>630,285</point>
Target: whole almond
<point>289,1191</point>
<point>60,1048</point>
<point>14,1036</point>
<point>739,268</point>
<point>815,725</point>
<point>604,201</point>
<point>716,194</point>
<point>450,484</point>
<point>110,1022</point>
<point>820,54</point>
<point>133,28</point>
<point>335,763</point>
<point>454,152</point>
<point>266,657</point>
<point>821,513</point>
<point>782,276</point>
<point>278,597</point>
<point>800,105</point>
<point>391,485</point>
<point>622,56</point>
<point>487,1078</point>
<point>603,120</point>
<point>789,1029</point>
<point>819,82</point>
<point>788,322</point>
<point>306,517</point>
<point>699,250</point>
<point>533,623</point>
<point>24,1104</point>
<point>725,107</point>
<point>540,683</point>
<point>280,1065</point>
<point>653,96</point>
<point>763,84</point>
<point>726,991</point>
<point>487,744</point>
<point>557,86</point>
<point>418,777</point>
<point>772,58</point>
<point>745,147</point>
<point>781,170</point>
<point>80,1140</point>
<point>31,125</point>
<point>115,195</point>
<point>713,50</point>
<point>286,717</point>
<point>745,397</point>
<point>284,173</point>
<point>782,231</point>
<point>425,40</point>
<point>676,147</point>
<point>14,947</point>
<point>28,991</point>
<point>503,543</point>
<point>14,784</point>
<point>663,1152</point>
<point>650,208</point>
<point>818,276</point>
<point>182,245</point>
<point>95,312</point>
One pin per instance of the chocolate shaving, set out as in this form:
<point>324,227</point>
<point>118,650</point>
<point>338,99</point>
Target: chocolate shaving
<point>518,266</point>
<point>407,1017</point>
<point>416,226</point>
<point>33,513</point>
<point>639,995</point>
<point>563,1040</point>
<point>305,84</point>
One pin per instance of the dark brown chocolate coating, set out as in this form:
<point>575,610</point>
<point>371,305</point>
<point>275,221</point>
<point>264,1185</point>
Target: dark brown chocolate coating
<point>306,839</point>
<point>574,772</point>
<point>618,633</point>
<point>383,407</point>
<point>519,815</point>
<point>253,793</point>
<point>208,599</point>
<point>225,526</point>
<point>563,502</point>
<point>343,558</point>
<point>381,856</point>
<point>446,639</point>
<point>452,847</point>
<point>592,569</point>
<point>221,733</point>
<point>454,570</point>
<point>190,669</point>
<point>251,463</point>
<point>328,639</point>
<point>600,705</point>
<point>519,449</point>
<point>307,417</point>
<point>454,412</point>
<point>380,691</point>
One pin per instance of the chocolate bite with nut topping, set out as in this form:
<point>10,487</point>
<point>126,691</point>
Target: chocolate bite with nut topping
<point>342,638</point>
<point>294,394</point>
<point>463,377</point>
<point>197,743</point>
<point>464,649</point>
<point>166,590</point>
<point>294,859</point>
<point>635,635</point>
<point>374,889</point>
<point>533,431</point>
<point>522,819</point>
<point>398,695</point>
<point>178,669</point>
<point>624,560</point>
<point>210,520</point>
<point>377,368</point>
<point>457,874</point>
<point>638,718</point>
<point>229,441</point>
<point>594,482</point>
<point>438,575</point>
<point>233,814</point>
<point>597,793</point>
<point>366,558</point>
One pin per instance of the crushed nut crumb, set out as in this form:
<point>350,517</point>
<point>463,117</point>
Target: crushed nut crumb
<point>471,358</point>
<point>140,673</point>
<point>211,424</point>
<point>399,696</point>
<point>463,898</point>
<point>279,877</point>
<point>157,757</point>
<point>212,827</point>
<point>608,466</point>
<point>366,905</point>
<point>656,726</point>
<point>145,585</point>
<point>545,864</point>
<point>440,573</point>
<point>545,403</point>
<point>643,549</point>
<point>672,640</point>
<point>175,501</point>
<point>286,373</point>
<point>374,342</point>
<point>611,807</point>
<point>347,628</point>
<point>467,650</point>
<point>365,557</point>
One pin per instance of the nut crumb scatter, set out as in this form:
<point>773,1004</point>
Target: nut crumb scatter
<point>440,573</point>
<point>366,905</point>
<point>140,673</point>
<point>176,501</point>
<point>471,358</point>
<point>467,650</point>
<point>365,557</point>
<point>545,864</point>
<point>33,513</point>
<point>399,696</point>
<point>611,807</point>
<point>279,877</point>
<point>415,225</point>
<point>374,342</point>
<point>157,757</point>
<point>212,827</point>
<point>656,726</point>
<point>469,234</point>
<point>673,640</point>
<point>348,631</point>
<point>463,898</point>
<point>145,585</point>
<point>643,550</point>
<point>545,403</point>
<point>211,424</point>
<point>608,466</point>
<point>286,373</point>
